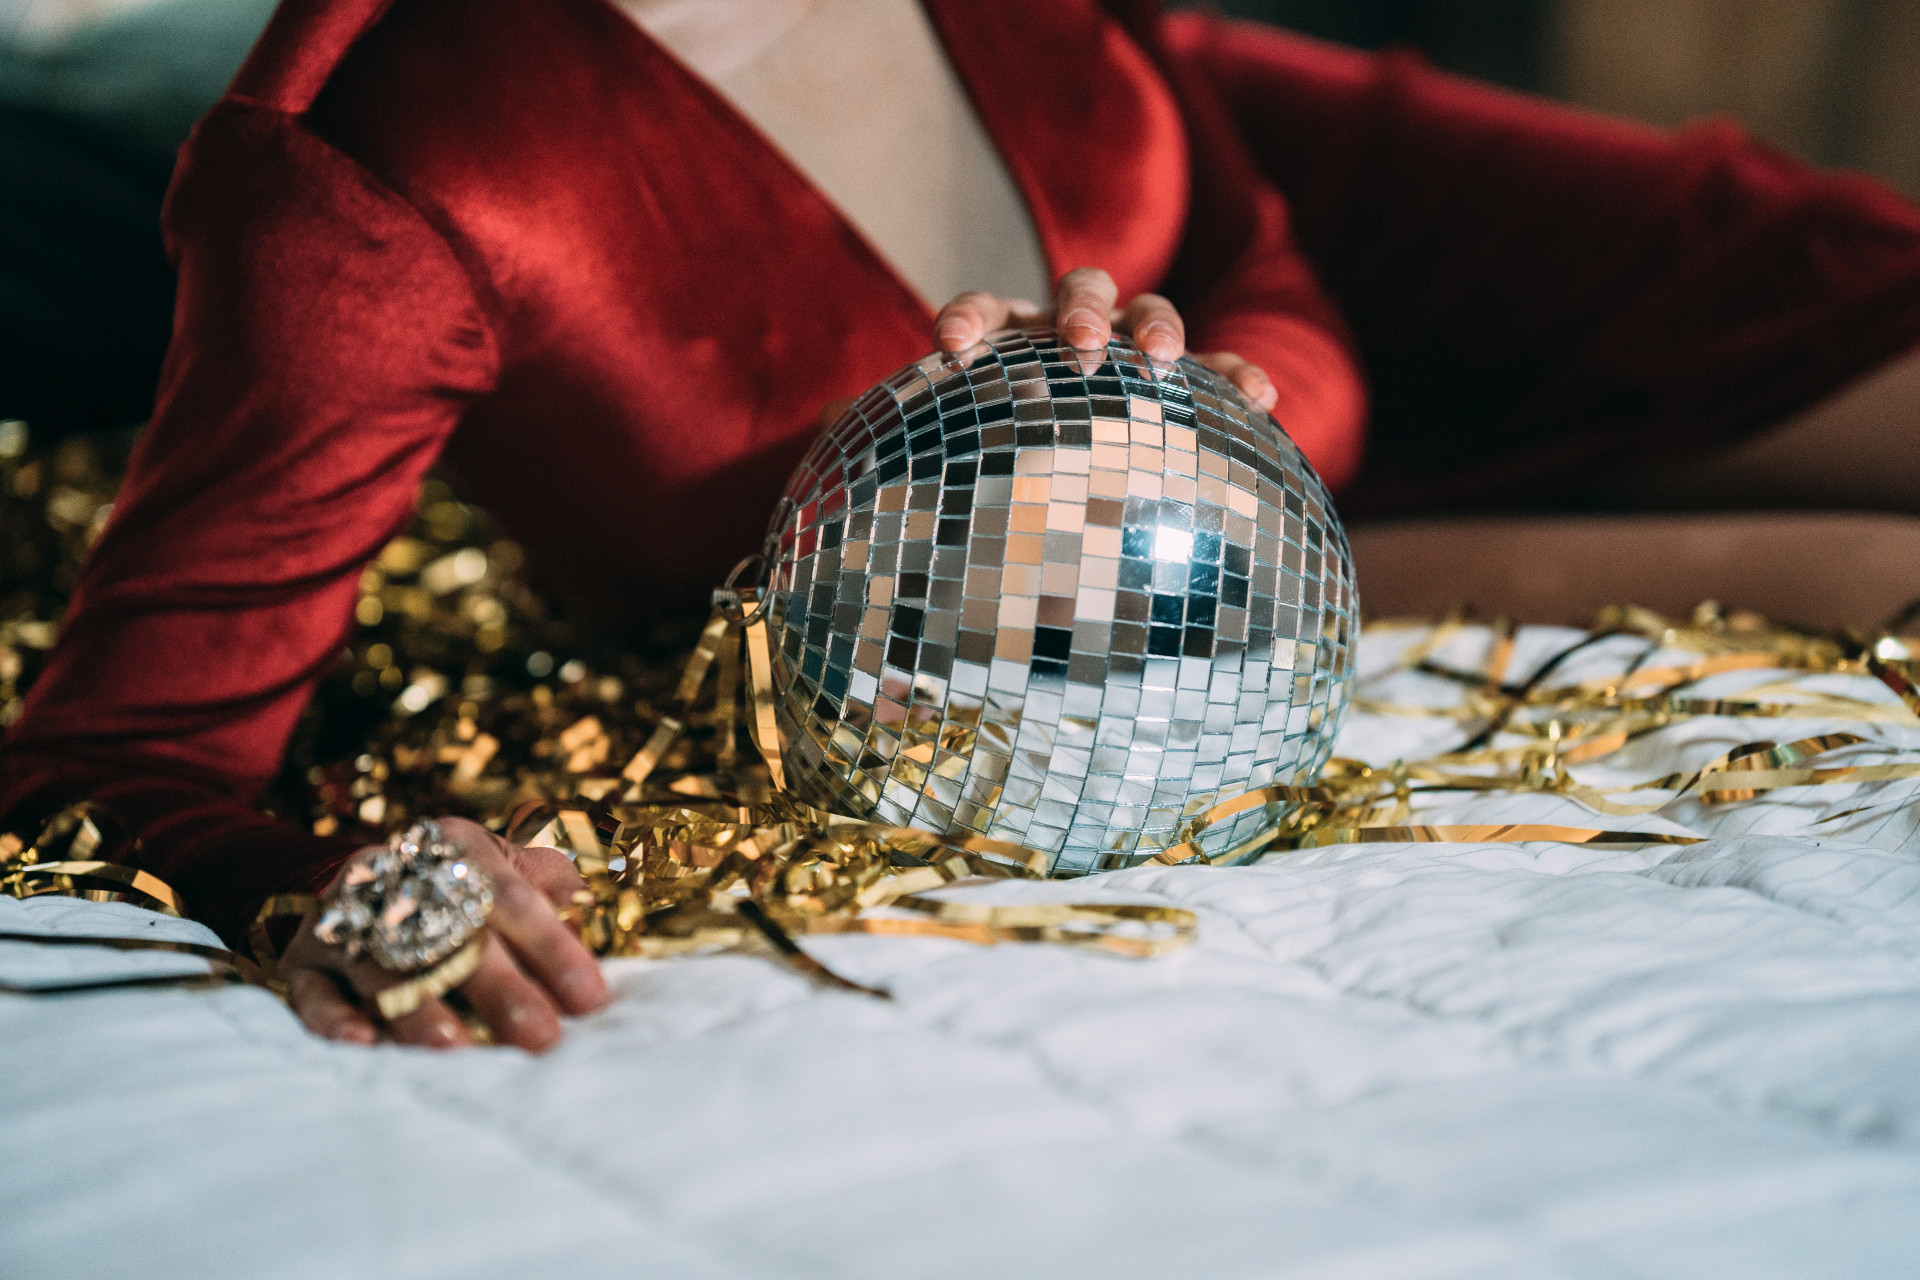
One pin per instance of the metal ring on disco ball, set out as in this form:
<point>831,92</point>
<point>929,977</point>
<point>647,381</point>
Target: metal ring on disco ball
<point>1067,599</point>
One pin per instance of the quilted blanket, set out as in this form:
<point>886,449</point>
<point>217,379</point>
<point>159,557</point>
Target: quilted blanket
<point>1380,1060</point>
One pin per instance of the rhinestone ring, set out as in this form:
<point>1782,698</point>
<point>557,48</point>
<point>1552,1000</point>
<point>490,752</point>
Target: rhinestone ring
<point>408,905</point>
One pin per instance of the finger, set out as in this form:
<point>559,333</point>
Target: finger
<point>432,1025</point>
<point>1083,307</point>
<point>830,414</point>
<point>548,870</point>
<point>525,915</point>
<point>1248,378</point>
<point>1156,328</point>
<point>1021,313</point>
<point>323,1010</point>
<point>545,947</point>
<point>514,1009</point>
<point>472,837</point>
<point>969,318</point>
<point>552,871</point>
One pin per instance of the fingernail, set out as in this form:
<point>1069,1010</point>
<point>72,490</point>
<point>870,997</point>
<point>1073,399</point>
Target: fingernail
<point>1160,340</point>
<point>353,1033</point>
<point>953,330</point>
<point>1081,318</point>
<point>442,1034</point>
<point>583,988</point>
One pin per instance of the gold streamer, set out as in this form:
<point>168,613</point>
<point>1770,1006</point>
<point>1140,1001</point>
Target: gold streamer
<point>766,730</point>
<point>65,877</point>
<point>402,998</point>
<point>498,712</point>
<point>1897,675</point>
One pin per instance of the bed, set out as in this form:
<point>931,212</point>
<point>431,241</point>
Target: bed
<point>1477,1059</point>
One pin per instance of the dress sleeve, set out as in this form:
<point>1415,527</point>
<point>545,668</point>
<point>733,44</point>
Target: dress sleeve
<point>1269,309</point>
<point>1241,280</point>
<point>1544,298</point>
<point>326,341</point>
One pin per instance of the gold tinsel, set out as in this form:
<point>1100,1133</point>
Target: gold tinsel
<point>463,693</point>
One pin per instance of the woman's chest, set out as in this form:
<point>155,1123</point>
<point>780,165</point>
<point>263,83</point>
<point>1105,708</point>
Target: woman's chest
<point>859,98</point>
<point>673,301</point>
<point>645,247</point>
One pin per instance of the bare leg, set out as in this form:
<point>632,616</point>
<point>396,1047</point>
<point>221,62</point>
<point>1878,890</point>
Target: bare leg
<point>1857,454</point>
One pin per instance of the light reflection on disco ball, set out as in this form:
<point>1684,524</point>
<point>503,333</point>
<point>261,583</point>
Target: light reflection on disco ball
<point>1064,599</point>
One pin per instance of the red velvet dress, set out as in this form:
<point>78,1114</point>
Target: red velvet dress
<point>517,236</point>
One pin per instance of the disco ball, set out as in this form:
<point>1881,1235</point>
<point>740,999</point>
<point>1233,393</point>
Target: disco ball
<point>1066,599</point>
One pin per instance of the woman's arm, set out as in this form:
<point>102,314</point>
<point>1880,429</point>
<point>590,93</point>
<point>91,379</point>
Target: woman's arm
<point>1548,301</point>
<point>1250,294</point>
<point>326,342</point>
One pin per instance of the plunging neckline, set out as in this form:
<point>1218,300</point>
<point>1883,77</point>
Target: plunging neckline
<point>774,158</point>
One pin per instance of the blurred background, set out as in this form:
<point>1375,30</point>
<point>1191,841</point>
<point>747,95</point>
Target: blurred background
<point>1836,82</point>
<point>95,95</point>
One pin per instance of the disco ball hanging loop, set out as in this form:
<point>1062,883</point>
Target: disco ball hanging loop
<point>1060,598</point>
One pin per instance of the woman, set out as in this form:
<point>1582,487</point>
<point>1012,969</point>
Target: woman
<point>609,262</point>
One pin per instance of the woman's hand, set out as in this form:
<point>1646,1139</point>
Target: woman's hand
<point>1085,315</point>
<point>533,968</point>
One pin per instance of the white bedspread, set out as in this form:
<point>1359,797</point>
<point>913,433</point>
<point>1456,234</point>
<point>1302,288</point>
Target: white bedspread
<point>1532,1061</point>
